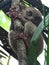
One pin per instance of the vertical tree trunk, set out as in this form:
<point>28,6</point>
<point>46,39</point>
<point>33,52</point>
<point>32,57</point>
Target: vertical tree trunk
<point>14,2</point>
<point>21,52</point>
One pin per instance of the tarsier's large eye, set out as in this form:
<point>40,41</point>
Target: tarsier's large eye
<point>29,13</point>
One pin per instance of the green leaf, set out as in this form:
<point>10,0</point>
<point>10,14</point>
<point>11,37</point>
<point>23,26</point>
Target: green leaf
<point>32,54</point>
<point>26,3</point>
<point>5,21</point>
<point>40,28</point>
<point>47,58</point>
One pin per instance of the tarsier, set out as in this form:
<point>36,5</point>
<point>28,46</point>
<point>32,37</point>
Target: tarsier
<point>23,25</point>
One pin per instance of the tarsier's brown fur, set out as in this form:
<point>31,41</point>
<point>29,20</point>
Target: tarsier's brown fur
<point>25,21</point>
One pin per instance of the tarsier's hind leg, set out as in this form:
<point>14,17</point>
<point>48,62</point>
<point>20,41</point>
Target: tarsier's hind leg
<point>30,29</point>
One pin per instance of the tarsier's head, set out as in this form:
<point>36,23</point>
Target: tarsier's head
<point>33,14</point>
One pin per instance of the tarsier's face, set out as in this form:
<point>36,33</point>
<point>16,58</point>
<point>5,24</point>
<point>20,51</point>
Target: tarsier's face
<point>33,14</point>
